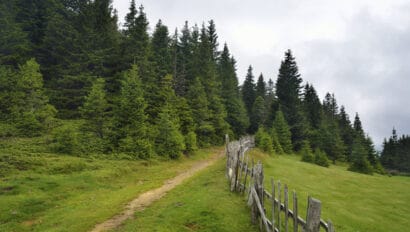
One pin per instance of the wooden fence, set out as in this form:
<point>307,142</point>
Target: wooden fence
<point>267,205</point>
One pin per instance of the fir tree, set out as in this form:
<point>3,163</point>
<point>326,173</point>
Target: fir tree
<point>169,140</point>
<point>258,115</point>
<point>288,93</point>
<point>32,113</point>
<point>94,109</point>
<point>283,132</point>
<point>261,90</point>
<point>131,133</point>
<point>359,158</point>
<point>248,91</point>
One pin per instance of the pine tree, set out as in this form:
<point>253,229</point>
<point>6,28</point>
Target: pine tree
<point>94,109</point>
<point>130,129</point>
<point>235,109</point>
<point>312,107</point>
<point>275,142</point>
<point>288,93</point>
<point>258,115</point>
<point>346,132</point>
<point>169,140</point>
<point>359,158</point>
<point>32,114</point>
<point>248,91</point>
<point>261,90</point>
<point>14,43</point>
<point>357,125</point>
<point>199,105</point>
<point>213,39</point>
<point>283,132</point>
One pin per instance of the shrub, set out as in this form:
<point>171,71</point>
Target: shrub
<point>64,140</point>
<point>264,141</point>
<point>190,142</point>
<point>321,158</point>
<point>307,154</point>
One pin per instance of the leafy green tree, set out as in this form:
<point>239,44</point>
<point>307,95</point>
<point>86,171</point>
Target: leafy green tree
<point>288,93</point>
<point>94,109</point>
<point>283,132</point>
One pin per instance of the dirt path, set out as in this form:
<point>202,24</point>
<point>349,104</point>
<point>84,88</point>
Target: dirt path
<point>147,198</point>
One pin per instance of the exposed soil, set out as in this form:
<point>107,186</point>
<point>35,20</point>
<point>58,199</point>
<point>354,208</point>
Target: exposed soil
<point>147,198</point>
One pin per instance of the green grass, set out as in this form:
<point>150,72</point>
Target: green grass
<point>202,203</point>
<point>353,201</point>
<point>40,191</point>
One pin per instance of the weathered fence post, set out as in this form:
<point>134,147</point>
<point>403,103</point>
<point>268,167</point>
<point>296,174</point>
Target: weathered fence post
<point>286,201</point>
<point>295,212</point>
<point>313,215</point>
<point>273,203</point>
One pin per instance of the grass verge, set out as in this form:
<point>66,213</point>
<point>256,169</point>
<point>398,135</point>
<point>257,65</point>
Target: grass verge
<point>48,192</point>
<point>353,201</point>
<point>202,203</point>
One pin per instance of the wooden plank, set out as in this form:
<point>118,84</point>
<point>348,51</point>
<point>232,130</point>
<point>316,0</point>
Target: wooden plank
<point>260,208</point>
<point>295,212</point>
<point>313,215</point>
<point>273,203</point>
<point>246,174</point>
<point>286,207</point>
<point>330,227</point>
<point>279,196</point>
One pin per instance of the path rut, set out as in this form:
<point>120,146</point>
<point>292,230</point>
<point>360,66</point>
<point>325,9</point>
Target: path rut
<point>147,198</point>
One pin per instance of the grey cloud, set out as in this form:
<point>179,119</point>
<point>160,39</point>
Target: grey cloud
<point>358,49</point>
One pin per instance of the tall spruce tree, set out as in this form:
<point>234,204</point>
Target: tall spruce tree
<point>288,93</point>
<point>130,129</point>
<point>260,88</point>
<point>248,91</point>
<point>94,109</point>
<point>236,112</point>
<point>283,132</point>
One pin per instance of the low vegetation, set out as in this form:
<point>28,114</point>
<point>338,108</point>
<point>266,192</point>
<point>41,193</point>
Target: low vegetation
<point>203,203</point>
<point>42,191</point>
<point>353,201</point>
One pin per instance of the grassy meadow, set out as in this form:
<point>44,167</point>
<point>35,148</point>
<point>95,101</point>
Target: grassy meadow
<point>202,203</point>
<point>40,191</point>
<point>353,201</point>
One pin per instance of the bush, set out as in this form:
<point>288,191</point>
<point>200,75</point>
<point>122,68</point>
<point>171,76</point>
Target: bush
<point>138,148</point>
<point>321,158</point>
<point>64,140</point>
<point>307,154</point>
<point>190,142</point>
<point>264,141</point>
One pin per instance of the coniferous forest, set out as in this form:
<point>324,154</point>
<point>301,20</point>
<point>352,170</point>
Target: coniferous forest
<point>165,93</point>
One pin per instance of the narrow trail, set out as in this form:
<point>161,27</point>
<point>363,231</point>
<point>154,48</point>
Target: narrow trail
<point>147,198</point>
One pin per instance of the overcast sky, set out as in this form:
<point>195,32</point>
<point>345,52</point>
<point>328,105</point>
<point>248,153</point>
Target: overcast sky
<point>357,49</point>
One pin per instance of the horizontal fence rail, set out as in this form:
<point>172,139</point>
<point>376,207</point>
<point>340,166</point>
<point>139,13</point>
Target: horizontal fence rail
<point>268,208</point>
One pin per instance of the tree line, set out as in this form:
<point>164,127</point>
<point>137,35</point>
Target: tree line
<point>395,155</point>
<point>164,93</point>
